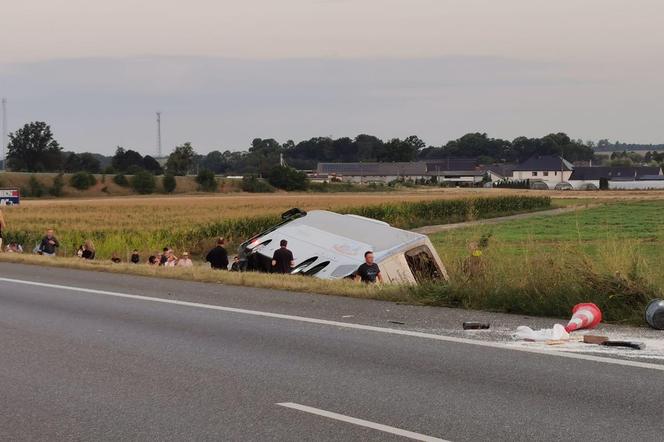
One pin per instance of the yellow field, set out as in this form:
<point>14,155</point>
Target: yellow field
<point>180,212</point>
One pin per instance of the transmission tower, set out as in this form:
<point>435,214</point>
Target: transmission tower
<point>158,134</point>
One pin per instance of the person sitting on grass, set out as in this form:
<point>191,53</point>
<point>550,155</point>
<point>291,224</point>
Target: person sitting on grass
<point>185,261</point>
<point>369,272</point>
<point>153,260</point>
<point>135,257</point>
<point>13,247</point>
<point>164,256</point>
<point>88,250</point>
<point>49,244</point>
<point>171,260</point>
<point>115,259</point>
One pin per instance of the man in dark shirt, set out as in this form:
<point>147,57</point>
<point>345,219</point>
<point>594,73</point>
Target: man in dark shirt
<point>368,272</point>
<point>164,256</point>
<point>49,244</point>
<point>218,257</point>
<point>282,260</point>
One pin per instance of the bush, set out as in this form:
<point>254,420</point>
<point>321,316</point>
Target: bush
<point>82,180</point>
<point>121,180</point>
<point>143,182</point>
<point>58,185</point>
<point>169,183</point>
<point>253,184</point>
<point>206,181</point>
<point>287,178</point>
<point>35,188</point>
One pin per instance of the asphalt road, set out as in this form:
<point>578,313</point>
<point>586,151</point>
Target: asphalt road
<point>105,365</point>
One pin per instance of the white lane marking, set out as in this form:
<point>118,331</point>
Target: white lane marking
<point>392,331</point>
<point>362,422</point>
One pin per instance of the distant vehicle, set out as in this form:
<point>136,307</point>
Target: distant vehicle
<point>564,186</point>
<point>10,197</point>
<point>330,245</point>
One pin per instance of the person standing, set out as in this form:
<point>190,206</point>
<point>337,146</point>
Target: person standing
<point>49,244</point>
<point>282,260</point>
<point>369,272</point>
<point>218,257</point>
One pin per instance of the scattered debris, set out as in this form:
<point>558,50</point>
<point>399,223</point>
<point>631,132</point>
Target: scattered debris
<point>476,325</point>
<point>557,333</point>
<point>628,344</point>
<point>585,315</point>
<point>593,339</point>
<point>556,342</point>
<point>655,314</point>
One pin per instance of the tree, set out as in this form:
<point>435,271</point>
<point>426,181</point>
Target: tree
<point>143,182</point>
<point>82,180</point>
<point>124,160</point>
<point>206,181</point>
<point>33,149</point>
<point>58,185</point>
<point>287,178</point>
<point>369,148</point>
<point>121,180</point>
<point>215,161</point>
<point>397,150</point>
<point>152,165</point>
<point>181,160</point>
<point>169,183</point>
<point>253,184</point>
<point>85,161</point>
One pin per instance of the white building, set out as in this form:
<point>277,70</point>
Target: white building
<point>549,169</point>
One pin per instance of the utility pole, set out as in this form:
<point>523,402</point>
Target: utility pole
<point>4,134</point>
<point>158,134</point>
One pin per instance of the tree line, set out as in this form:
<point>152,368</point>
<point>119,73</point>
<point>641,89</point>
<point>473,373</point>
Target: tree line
<point>33,148</point>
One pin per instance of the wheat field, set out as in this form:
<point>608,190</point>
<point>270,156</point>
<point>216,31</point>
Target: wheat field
<point>180,212</point>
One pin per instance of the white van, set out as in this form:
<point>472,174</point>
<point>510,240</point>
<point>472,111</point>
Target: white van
<point>330,245</point>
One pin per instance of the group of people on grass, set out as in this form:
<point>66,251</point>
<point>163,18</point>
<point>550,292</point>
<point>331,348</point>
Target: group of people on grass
<point>282,260</point>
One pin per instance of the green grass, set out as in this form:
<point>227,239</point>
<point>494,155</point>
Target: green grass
<point>610,255</point>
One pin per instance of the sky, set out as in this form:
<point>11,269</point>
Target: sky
<point>224,72</point>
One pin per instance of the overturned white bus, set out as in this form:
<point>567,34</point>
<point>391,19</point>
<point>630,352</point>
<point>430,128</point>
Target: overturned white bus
<point>329,245</point>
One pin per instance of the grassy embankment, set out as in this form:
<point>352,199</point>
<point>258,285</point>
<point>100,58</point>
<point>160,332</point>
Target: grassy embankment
<point>610,255</point>
<point>99,224</point>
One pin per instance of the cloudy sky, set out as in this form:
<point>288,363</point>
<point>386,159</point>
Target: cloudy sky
<point>223,72</point>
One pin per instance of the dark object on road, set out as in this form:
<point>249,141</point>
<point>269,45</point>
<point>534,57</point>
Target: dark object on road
<point>628,344</point>
<point>476,325</point>
<point>397,322</point>
<point>593,339</point>
<point>655,314</point>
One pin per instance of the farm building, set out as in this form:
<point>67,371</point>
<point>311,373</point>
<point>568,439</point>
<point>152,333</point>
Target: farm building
<point>636,177</point>
<point>455,171</point>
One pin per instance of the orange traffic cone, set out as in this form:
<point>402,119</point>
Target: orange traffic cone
<point>584,316</point>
